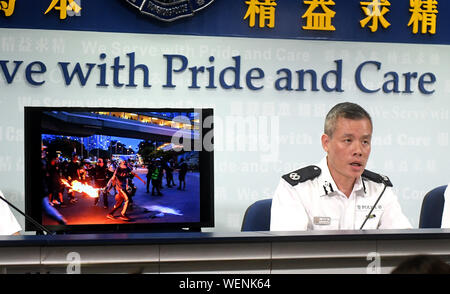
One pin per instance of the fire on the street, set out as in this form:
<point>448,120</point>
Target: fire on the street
<point>81,188</point>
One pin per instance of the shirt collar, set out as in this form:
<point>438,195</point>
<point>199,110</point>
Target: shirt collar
<point>329,186</point>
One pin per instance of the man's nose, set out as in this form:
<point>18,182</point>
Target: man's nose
<point>357,149</point>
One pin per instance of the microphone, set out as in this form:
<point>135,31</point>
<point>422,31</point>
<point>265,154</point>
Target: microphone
<point>27,217</point>
<point>379,179</point>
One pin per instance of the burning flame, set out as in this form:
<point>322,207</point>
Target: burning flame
<point>81,188</point>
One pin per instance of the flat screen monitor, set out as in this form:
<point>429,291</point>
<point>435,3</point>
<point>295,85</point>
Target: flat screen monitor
<point>119,169</point>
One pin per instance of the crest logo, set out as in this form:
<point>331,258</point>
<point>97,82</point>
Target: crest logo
<point>294,176</point>
<point>169,10</point>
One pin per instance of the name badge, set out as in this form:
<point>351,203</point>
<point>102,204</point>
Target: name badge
<point>322,220</point>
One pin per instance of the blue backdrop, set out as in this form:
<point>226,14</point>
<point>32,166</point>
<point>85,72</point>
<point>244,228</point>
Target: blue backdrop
<point>226,18</point>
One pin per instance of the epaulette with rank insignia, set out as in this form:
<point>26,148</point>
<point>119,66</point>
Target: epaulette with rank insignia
<point>302,175</point>
<point>374,177</point>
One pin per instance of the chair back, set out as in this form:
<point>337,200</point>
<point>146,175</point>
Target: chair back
<point>432,208</point>
<point>257,216</point>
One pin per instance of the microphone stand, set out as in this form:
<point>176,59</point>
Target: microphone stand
<point>373,207</point>
<point>28,218</point>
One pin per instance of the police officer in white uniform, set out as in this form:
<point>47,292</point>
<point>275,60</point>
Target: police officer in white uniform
<point>8,223</point>
<point>338,193</point>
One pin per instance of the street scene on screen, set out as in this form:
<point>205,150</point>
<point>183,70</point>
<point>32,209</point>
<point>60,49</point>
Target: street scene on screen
<point>97,175</point>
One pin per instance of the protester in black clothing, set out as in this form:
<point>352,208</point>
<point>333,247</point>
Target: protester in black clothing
<point>182,171</point>
<point>99,173</point>
<point>73,174</point>
<point>54,183</point>
<point>131,188</point>
<point>150,167</point>
<point>110,169</point>
<point>168,167</point>
<point>44,193</point>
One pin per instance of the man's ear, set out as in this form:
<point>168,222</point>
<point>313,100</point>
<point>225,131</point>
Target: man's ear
<point>325,141</point>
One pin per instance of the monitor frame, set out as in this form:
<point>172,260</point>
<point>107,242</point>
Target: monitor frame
<point>33,201</point>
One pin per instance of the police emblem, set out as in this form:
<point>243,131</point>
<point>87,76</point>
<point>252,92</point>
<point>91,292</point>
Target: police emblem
<point>169,10</point>
<point>294,176</point>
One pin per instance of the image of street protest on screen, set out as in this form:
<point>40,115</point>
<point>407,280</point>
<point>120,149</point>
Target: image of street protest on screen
<point>119,167</point>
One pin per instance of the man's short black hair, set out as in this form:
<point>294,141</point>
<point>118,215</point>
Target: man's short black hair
<point>345,110</point>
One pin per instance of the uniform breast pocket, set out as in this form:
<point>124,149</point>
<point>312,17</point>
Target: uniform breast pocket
<point>372,220</point>
<point>325,223</point>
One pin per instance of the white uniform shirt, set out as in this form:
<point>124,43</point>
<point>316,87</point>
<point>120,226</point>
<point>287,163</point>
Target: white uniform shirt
<point>317,204</point>
<point>8,223</point>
